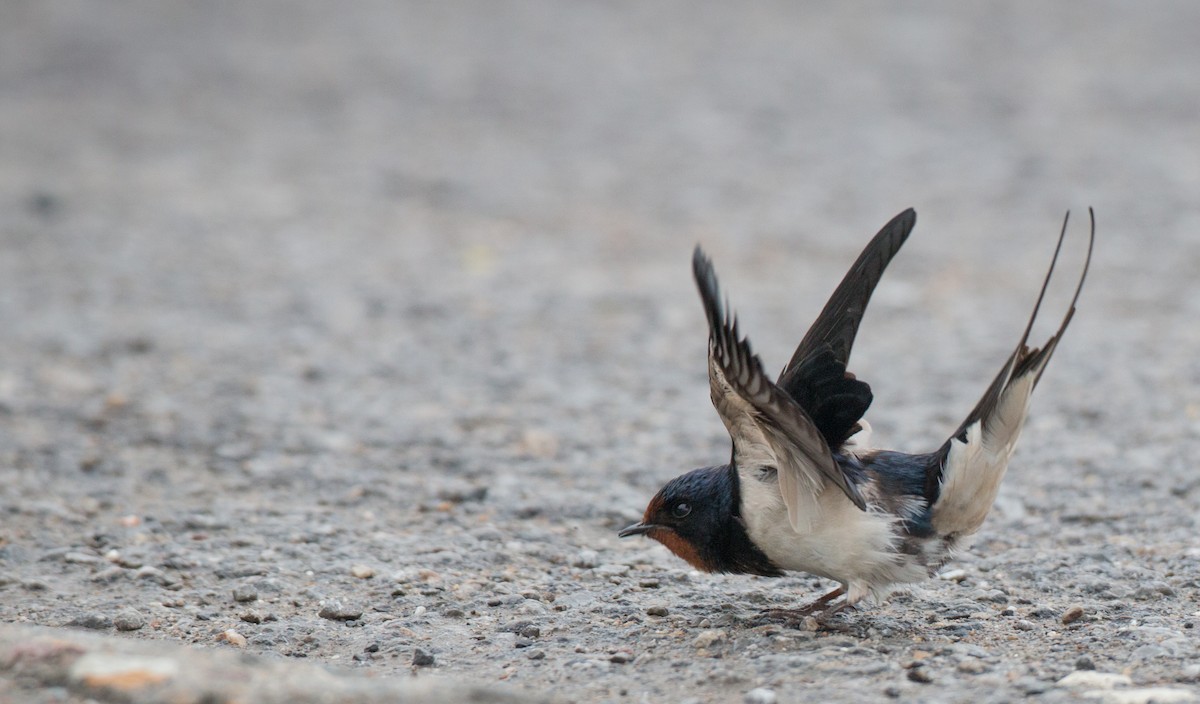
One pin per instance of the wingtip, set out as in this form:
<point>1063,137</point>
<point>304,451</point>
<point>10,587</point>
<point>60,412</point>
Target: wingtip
<point>905,221</point>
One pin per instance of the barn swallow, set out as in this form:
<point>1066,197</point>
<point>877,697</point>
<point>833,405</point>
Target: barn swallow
<point>802,490</point>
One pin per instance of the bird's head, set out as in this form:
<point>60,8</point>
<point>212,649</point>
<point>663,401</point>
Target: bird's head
<point>696,516</point>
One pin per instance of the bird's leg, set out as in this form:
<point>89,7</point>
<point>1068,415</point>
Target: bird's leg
<point>795,617</point>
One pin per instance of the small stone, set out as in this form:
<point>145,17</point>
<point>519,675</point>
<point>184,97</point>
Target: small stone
<point>128,620</point>
<point>649,583</point>
<point>420,658</point>
<point>155,575</point>
<point>454,612</point>
<point>362,572</point>
<point>1072,614</point>
<point>1091,679</point>
<point>953,575</point>
<point>920,674</point>
<point>522,643</point>
<point>621,657</point>
<point>991,596</point>
<point>972,666</point>
<point>760,695</point>
<point>707,639</point>
<point>94,621</point>
<point>244,595</point>
<point>108,576</point>
<point>586,559</point>
<point>251,616</point>
<point>657,610</point>
<point>233,638</point>
<point>335,610</point>
<point>892,691</point>
<point>1085,663</point>
<point>531,631</point>
<point>1031,686</point>
<point>535,654</point>
<point>1024,625</point>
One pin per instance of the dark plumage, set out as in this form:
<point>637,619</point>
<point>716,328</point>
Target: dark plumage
<point>803,491</point>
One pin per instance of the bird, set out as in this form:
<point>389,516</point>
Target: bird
<point>803,490</point>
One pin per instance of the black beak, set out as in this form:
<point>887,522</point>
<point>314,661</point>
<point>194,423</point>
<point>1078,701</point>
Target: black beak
<point>636,529</point>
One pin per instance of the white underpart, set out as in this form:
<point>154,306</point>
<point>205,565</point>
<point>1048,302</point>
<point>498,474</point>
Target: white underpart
<point>974,469</point>
<point>852,546</point>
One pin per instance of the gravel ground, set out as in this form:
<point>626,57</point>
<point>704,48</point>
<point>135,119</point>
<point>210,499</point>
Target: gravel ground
<point>354,332</point>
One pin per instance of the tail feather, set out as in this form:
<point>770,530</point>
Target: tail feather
<point>962,484</point>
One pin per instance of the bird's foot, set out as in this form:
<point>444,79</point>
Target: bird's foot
<point>813,617</point>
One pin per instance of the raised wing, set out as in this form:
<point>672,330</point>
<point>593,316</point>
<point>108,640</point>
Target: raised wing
<point>768,427</point>
<point>816,376</point>
<point>962,484</point>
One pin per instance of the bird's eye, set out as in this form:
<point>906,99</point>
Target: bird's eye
<point>681,509</point>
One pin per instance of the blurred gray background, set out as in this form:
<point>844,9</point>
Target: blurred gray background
<point>254,255</point>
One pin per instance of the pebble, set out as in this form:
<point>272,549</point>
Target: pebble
<point>1031,686</point>
<point>128,620</point>
<point>707,639</point>
<point>586,559</point>
<point>1091,679</point>
<point>972,667</point>
<point>920,674</point>
<point>760,695</point>
<point>155,575</point>
<point>362,572</point>
<point>536,654</point>
<point>421,658</point>
<point>233,638</point>
<point>991,596</point>
<point>244,595</point>
<point>251,616</point>
<point>657,610</point>
<point>108,576</point>
<point>335,610</point>
<point>953,575</point>
<point>1085,663</point>
<point>621,657</point>
<point>94,621</point>
<point>1072,614</point>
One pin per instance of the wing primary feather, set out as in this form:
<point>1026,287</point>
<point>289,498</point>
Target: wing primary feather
<point>757,411</point>
<point>816,376</point>
<point>837,325</point>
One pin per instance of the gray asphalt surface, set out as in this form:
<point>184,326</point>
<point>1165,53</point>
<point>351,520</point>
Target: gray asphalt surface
<point>383,311</point>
